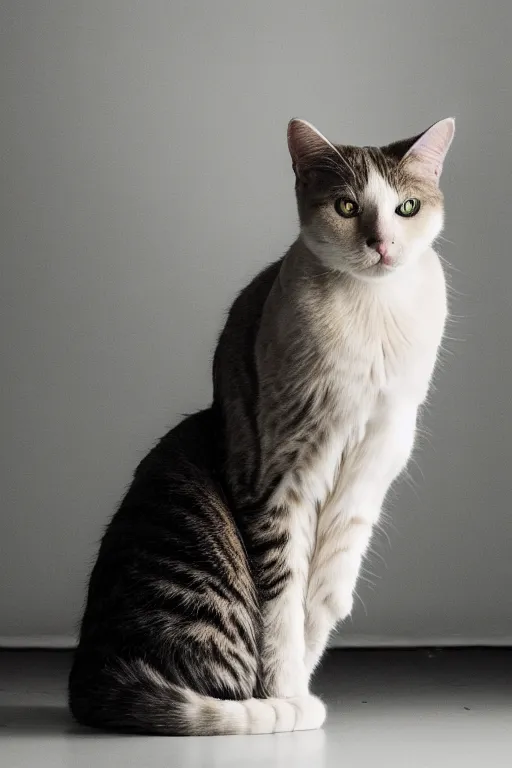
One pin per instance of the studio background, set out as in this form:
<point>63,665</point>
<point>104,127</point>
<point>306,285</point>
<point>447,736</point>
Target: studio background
<point>144,179</point>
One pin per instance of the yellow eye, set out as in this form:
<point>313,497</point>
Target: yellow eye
<point>409,208</point>
<point>347,208</point>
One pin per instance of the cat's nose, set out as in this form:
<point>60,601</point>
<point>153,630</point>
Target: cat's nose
<point>381,248</point>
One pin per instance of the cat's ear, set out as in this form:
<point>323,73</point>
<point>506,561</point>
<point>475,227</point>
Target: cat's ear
<point>306,145</point>
<point>429,149</point>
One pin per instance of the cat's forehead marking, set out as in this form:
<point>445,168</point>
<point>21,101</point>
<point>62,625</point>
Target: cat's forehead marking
<point>368,168</point>
<point>378,191</point>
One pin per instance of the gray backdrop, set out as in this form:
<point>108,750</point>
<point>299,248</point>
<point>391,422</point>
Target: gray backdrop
<point>145,178</point>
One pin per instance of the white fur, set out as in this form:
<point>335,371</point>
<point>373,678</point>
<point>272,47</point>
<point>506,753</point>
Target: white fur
<point>390,331</point>
<point>253,716</point>
<point>284,618</point>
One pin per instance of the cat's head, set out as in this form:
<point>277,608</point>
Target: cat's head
<point>369,210</point>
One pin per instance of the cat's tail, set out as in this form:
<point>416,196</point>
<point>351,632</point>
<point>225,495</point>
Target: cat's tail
<point>139,699</point>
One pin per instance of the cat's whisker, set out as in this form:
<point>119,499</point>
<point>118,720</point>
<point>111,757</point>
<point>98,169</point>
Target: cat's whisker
<point>365,570</point>
<point>454,338</point>
<point>374,553</point>
<point>358,596</point>
<point>446,240</point>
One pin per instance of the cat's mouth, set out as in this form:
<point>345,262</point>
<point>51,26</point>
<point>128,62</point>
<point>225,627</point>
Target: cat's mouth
<point>380,263</point>
<point>378,269</point>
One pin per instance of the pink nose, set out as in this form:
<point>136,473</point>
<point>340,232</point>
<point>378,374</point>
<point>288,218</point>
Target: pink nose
<point>383,251</point>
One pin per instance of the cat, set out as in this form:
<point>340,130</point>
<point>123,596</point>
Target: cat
<point>236,550</point>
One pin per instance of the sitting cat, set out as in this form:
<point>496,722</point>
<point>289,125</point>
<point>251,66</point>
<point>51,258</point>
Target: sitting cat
<point>237,548</point>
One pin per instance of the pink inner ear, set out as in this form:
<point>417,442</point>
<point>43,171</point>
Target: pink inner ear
<point>305,142</point>
<point>431,148</point>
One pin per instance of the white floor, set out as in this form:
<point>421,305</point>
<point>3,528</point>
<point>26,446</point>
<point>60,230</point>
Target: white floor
<point>415,709</point>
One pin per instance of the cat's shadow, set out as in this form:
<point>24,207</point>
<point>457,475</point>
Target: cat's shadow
<point>298,748</point>
<point>37,719</point>
<point>44,720</point>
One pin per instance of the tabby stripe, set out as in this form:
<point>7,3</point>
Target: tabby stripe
<point>271,587</point>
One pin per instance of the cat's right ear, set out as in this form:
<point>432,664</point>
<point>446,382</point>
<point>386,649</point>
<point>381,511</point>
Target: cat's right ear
<point>427,150</point>
<point>306,145</point>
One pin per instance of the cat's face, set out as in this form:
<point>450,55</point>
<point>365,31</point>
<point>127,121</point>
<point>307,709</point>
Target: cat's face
<point>369,211</point>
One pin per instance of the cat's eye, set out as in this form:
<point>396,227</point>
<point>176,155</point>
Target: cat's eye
<point>409,207</point>
<point>347,208</point>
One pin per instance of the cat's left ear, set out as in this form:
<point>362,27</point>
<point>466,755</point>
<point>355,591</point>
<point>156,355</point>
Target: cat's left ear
<point>430,148</point>
<point>306,145</point>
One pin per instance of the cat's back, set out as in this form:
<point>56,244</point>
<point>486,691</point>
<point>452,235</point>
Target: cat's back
<point>234,355</point>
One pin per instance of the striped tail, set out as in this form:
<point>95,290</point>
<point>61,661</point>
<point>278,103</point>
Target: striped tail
<point>139,699</point>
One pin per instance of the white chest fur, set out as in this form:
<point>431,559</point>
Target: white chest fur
<point>381,363</point>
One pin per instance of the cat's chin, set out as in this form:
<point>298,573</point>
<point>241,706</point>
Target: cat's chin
<point>380,270</point>
<point>377,271</point>
<point>368,274</point>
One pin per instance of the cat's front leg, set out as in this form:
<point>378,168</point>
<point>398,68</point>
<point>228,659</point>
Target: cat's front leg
<point>341,545</point>
<point>282,544</point>
<point>345,523</point>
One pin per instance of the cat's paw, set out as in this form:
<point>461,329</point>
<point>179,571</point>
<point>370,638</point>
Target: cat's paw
<point>311,713</point>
